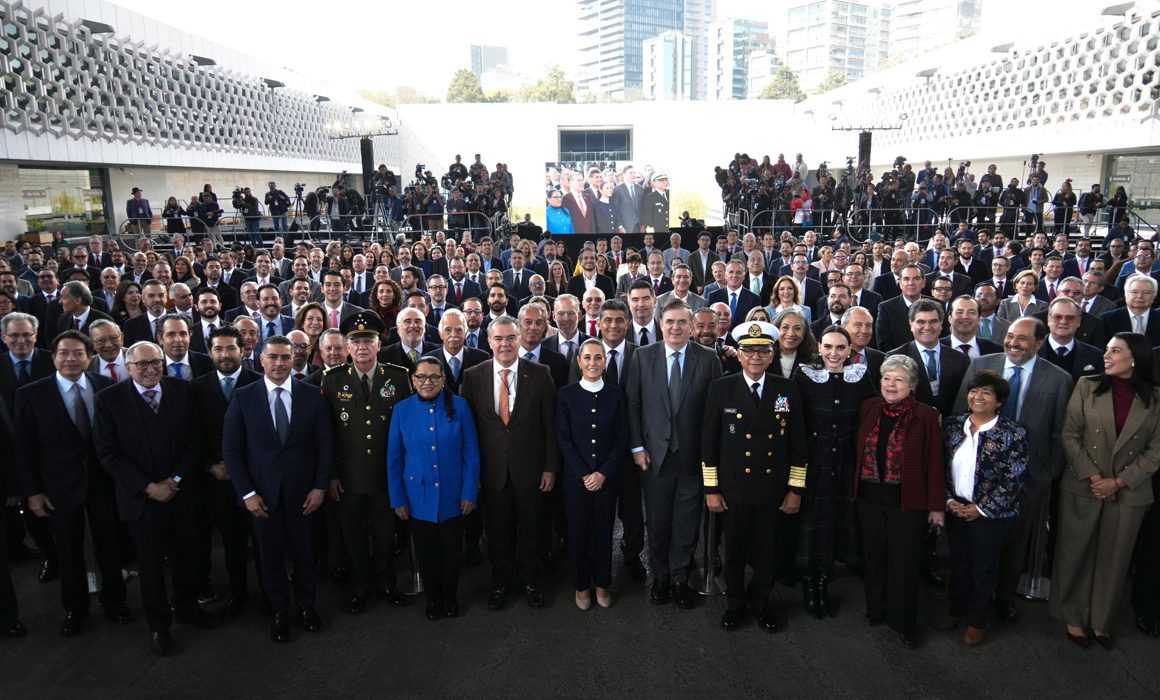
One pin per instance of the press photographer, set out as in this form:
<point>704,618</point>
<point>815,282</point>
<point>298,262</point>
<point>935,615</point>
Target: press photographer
<point>248,206</point>
<point>277,203</point>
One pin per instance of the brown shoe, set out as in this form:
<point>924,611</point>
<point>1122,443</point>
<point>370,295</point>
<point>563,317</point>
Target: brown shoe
<point>974,636</point>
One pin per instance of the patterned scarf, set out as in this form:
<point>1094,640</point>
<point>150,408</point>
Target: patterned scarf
<point>902,414</point>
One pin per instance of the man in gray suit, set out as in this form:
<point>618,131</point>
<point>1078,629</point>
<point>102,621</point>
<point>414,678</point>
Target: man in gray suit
<point>1038,402</point>
<point>682,282</point>
<point>626,200</point>
<point>667,386</point>
<point>674,251</point>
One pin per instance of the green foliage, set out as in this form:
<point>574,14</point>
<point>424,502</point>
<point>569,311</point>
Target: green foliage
<point>784,86</point>
<point>553,87</point>
<point>835,79</point>
<point>464,87</point>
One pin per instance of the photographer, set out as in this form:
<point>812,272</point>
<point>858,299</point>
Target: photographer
<point>210,214</point>
<point>337,210</point>
<point>456,211</point>
<point>479,170</point>
<point>823,196</point>
<point>277,203</point>
<point>395,206</point>
<point>987,197</point>
<point>457,171</point>
<point>251,210</point>
<point>959,205</point>
<point>1011,200</point>
<point>923,213</point>
<point>313,203</point>
<point>926,175</point>
<point>432,203</point>
<point>383,178</point>
<point>1063,204</point>
<point>1090,204</point>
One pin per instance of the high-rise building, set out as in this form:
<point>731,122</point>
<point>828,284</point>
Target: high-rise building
<point>851,38</point>
<point>731,41</point>
<point>763,65</point>
<point>487,57</point>
<point>920,25</point>
<point>698,17</point>
<point>612,36</point>
<point>668,67</point>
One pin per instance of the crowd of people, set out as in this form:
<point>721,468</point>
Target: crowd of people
<point>604,198</point>
<point>905,202</point>
<point>834,405</point>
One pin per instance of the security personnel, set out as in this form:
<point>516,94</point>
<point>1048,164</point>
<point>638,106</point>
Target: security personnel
<point>753,451</point>
<point>361,396</point>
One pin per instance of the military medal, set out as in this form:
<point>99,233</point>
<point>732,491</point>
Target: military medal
<point>388,390</point>
<point>344,416</point>
<point>781,404</point>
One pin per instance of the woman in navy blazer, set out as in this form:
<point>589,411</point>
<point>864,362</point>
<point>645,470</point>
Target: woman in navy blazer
<point>986,456</point>
<point>433,479</point>
<point>592,434</point>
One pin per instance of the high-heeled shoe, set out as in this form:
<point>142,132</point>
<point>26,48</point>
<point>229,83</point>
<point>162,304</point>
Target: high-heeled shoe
<point>810,602</point>
<point>603,597</point>
<point>584,599</point>
<point>824,607</point>
<point>1080,640</point>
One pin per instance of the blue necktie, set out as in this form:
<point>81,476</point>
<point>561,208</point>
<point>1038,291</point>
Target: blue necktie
<point>733,303</point>
<point>281,418</point>
<point>1011,408</point>
<point>529,357</point>
<point>177,370</point>
<point>931,366</point>
<point>471,343</point>
<point>228,387</point>
<point>454,362</point>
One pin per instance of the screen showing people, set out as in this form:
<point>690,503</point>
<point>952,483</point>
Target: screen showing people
<point>606,197</point>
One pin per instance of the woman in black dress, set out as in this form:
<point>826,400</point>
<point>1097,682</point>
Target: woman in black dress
<point>828,522</point>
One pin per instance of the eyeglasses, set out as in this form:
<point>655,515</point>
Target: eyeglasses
<point>427,378</point>
<point>436,286</point>
<point>299,346</point>
<point>143,365</point>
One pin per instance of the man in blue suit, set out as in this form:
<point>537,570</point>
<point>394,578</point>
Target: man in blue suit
<point>279,451</point>
<point>139,212</point>
<point>739,299</point>
<point>272,321</point>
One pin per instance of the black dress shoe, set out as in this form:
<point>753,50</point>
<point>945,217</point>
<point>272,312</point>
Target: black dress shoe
<point>908,639</point>
<point>206,594</point>
<point>74,622</point>
<point>731,620</point>
<point>280,627</point>
<point>49,570</point>
<point>1005,611</point>
<point>119,613</point>
<point>684,596</point>
<point>434,611</point>
<point>392,596</point>
<point>1080,640</point>
<point>495,599</point>
<point>13,629</point>
<point>1103,640</point>
<point>451,609</point>
<point>635,568</point>
<point>660,593</point>
<point>357,604</point>
<point>765,620</point>
<point>234,606</point>
<point>160,643</point>
<point>535,597</point>
<point>310,620</point>
<point>198,618</point>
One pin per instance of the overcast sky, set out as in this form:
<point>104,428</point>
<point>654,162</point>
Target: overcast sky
<point>381,45</point>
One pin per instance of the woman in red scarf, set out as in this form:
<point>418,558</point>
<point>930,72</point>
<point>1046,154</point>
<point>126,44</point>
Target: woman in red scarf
<point>900,487</point>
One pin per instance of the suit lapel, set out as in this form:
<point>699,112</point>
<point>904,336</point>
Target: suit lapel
<point>1136,417</point>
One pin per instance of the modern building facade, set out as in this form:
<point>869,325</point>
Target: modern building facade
<point>731,42</point>
<point>918,26</point>
<point>668,67</point>
<point>611,39</point>
<point>851,38</point>
<point>484,58</point>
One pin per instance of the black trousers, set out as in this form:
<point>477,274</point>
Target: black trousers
<point>630,508</point>
<point>286,527</point>
<point>553,522</point>
<point>440,553</point>
<point>975,550</point>
<point>326,535</point>
<point>217,509</point>
<point>512,522</point>
<point>674,520</point>
<point>68,529</point>
<point>750,532</point>
<point>368,529</point>
<point>1017,545</point>
<point>1146,582</point>
<point>21,521</point>
<point>892,549</point>
<point>9,610</point>
<point>165,528</point>
<point>591,515</point>
<point>473,527</point>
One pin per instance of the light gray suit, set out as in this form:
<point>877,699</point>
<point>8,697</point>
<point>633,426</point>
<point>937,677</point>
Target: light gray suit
<point>1042,414</point>
<point>695,301</point>
<point>999,328</point>
<point>671,253</point>
<point>1100,304</point>
<point>671,436</point>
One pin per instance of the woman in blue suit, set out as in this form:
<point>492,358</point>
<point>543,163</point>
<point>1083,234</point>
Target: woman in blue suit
<point>592,433</point>
<point>986,456</point>
<point>557,217</point>
<point>433,479</point>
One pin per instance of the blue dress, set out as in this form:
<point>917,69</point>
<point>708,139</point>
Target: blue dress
<point>559,220</point>
<point>432,459</point>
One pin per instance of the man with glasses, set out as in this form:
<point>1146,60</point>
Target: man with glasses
<point>475,337</point>
<point>109,360</point>
<point>854,277</point>
<point>80,261</point>
<point>360,397</point>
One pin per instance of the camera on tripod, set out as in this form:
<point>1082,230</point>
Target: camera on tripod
<point>299,188</point>
<point>340,179</point>
<point>962,172</point>
<point>1034,162</point>
<point>324,195</point>
<point>238,197</point>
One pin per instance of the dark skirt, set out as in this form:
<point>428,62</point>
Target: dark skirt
<point>828,520</point>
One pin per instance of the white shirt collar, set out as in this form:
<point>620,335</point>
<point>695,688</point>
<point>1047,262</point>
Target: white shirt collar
<point>66,385</point>
<point>982,428</point>
<point>592,386</point>
<point>233,376</point>
<point>271,386</point>
<point>447,356</point>
<point>760,382</point>
<point>1056,345</point>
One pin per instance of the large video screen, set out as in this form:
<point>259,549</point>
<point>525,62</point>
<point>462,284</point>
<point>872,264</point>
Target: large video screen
<point>606,197</point>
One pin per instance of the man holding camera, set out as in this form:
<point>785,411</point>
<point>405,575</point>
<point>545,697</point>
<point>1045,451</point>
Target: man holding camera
<point>251,210</point>
<point>277,203</point>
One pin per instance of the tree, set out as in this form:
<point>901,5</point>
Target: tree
<point>464,87</point>
<point>407,95</point>
<point>553,87</point>
<point>835,79</point>
<point>784,86</point>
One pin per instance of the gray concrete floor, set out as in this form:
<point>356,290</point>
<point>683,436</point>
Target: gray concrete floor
<point>632,649</point>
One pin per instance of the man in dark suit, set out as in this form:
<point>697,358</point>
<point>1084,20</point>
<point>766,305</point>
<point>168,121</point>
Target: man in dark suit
<point>892,325</point>
<point>514,404</point>
<point>146,437</point>
<point>216,503</point>
<point>588,276</point>
<point>147,325</point>
<point>1063,348</point>
<point>960,283</point>
<point>1090,328</point>
<point>665,428</point>
<point>139,213</point>
<point>1038,402</point>
<point>207,319</point>
<point>45,306</point>
<point>515,279</point>
<point>64,482</point>
<point>700,262</point>
<point>566,314</point>
<point>941,369</point>
<point>626,202</point>
<point>278,447</point>
<point>855,278</point>
<point>180,362</point>
<point>739,299</point>
<point>1138,316</point>
<point>213,280</point>
<point>533,325</point>
<point>860,325</point>
<point>412,326</point>
<point>459,288</point>
<point>271,320</point>
<point>581,207</point>
<point>76,308</point>
<point>964,330</point>
<point>10,625</point>
<point>755,270</point>
<point>454,357</point>
<point>889,283</point>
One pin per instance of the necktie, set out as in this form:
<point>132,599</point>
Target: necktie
<point>674,400</point>
<point>592,327</point>
<point>656,287</point>
<point>255,315</point>
<point>151,399</point>
<point>756,286</point>
<point>269,328</point>
<point>1011,408</point>
<point>966,350</point>
<point>516,277</point>
<point>358,284</point>
<point>22,376</point>
<point>81,412</point>
<point>504,410</point>
<point>1138,323</point>
<point>454,363</point>
<point>471,341</point>
<point>644,336</point>
<point>281,418</point>
<point>334,318</point>
<point>112,367</point>
<point>858,358</point>
<point>212,328</point>
<point>459,292</point>
<point>733,303</point>
<point>366,385</point>
<point>1062,351</point>
<point>1084,306</point>
<point>985,329</point>
<point>76,324</point>
<point>228,387</point>
<point>438,314</point>
<point>931,365</point>
<point>611,372</point>
<point>529,357</point>
<point>414,355</point>
<point>755,390</point>
<point>1051,292</point>
<point>177,370</point>
<point>568,350</point>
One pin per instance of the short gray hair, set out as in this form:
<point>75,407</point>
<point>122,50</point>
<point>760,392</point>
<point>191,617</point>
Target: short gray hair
<point>131,353</point>
<point>1141,277</point>
<point>503,320</point>
<point>19,316</point>
<point>901,362</point>
<point>454,314</point>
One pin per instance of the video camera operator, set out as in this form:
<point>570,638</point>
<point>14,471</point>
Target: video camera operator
<point>823,196</point>
<point>277,203</point>
<point>395,206</point>
<point>478,170</point>
<point>926,175</point>
<point>1090,204</point>
<point>338,209</point>
<point>923,214</point>
<point>458,171</point>
<point>959,204</point>
<point>1012,200</point>
<point>457,207</point>
<point>251,210</point>
<point>383,178</point>
<point>432,203</point>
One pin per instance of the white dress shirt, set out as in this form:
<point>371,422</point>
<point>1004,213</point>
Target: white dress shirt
<point>965,462</point>
<point>512,381</point>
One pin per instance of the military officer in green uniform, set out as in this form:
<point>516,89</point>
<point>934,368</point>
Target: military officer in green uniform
<point>360,397</point>
<point>753,451</point>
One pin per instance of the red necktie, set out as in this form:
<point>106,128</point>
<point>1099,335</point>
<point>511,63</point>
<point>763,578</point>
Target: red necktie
<point>858,358</point>
<point>113,371</point>
<point>458,292</point>
<point>592,328</point>
<point>1051,292</point>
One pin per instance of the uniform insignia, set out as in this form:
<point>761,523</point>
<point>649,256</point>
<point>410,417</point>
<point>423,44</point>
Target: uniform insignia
<point>346,387</point>
<point>755,331</point>
<point>781,404</point>
<point>732,429</point>
<point>388,391</point>
<point>344,416</point>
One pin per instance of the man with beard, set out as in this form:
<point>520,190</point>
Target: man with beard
<point>271,321</point>
<point>837,302</point>
<point>208,320</point>
<point>589,277</point>
<point>705,333</point>
<point>180,363</point>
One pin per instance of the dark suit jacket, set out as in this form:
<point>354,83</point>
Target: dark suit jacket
<point>46,315</point>
<point>41,366</point>
<point>980,270</point>
<point>553,344</point>
<point>52,457</point>
<point>746,300</point>
<point>210,404</point>
<point>509,283</point>
<point>1091,330</point>
<point>885,285</point>
<point>892,324</point>
<point>603,282</point>
<point>626,209</point>
<point>227,295</point>
<point>470,289</point>
<point>525,448</point>
<point>581,223</point>
<point>1118,321</point>
<point>134,454</point>
<point>471,358</point>
<point>952,365</point>
<point>1083,361</point>
<point>811,273</point>
<point>923,475</point>
<point>64,321</point>
<point>986,347</point>
<point>812,293</point>
<point>555,362</point>
<point>960,283</point>
<point>874,360</point>
<point>138,329</point>
<point>701,274</point>
<point>767,281</point>
<point>393,354</point>
<point>199,364</point>
<point>869,300</point>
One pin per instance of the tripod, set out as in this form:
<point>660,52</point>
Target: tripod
<point>298,205</point>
